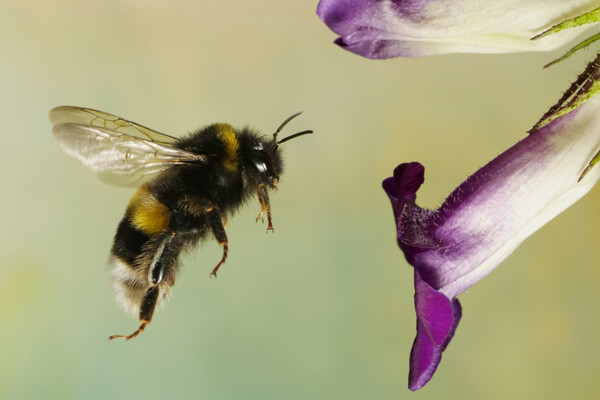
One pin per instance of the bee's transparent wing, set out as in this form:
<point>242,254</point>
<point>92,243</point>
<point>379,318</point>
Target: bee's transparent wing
<point>120,159</point>
<point>101,119</point>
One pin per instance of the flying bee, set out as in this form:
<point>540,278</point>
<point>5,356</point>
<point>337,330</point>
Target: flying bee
<point>187,189</point>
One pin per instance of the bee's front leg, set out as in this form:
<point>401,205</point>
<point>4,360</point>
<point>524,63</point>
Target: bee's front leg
<point>263,199</point>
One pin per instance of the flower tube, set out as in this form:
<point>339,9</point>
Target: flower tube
<point>486,217</point>
<point>413,28</point>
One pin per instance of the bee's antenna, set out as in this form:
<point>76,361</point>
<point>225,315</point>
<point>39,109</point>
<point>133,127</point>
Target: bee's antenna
<point>295,135</point>
<point>284,123</point>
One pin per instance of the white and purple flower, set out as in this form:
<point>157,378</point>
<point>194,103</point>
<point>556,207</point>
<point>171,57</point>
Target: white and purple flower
<point>413,28</point>
<point>486,217</point>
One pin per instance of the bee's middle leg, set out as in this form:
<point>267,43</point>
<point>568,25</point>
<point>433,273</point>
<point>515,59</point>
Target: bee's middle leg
<point>216,225</point>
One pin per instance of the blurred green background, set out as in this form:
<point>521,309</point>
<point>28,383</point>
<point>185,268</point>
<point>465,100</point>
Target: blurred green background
<point>322,309</point>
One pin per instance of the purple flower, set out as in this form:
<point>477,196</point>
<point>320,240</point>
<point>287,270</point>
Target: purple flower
<point>414,28</point>
<point>486,217</point>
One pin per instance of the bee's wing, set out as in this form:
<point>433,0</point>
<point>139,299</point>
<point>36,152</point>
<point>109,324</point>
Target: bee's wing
<point>91,117</point>
<point>119,158</point>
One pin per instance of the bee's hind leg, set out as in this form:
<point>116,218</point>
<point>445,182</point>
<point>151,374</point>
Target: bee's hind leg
<point>146,311</point>
<point>161,264</point>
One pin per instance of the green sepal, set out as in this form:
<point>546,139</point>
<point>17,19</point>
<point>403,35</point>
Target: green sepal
<point>579,46</point>
<point>590,166</point>
<point>586,18</point>
<point>585,87</point>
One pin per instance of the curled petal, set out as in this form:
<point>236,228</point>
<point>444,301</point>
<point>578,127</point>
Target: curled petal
<point>407,179</point>
<point>414,223</point>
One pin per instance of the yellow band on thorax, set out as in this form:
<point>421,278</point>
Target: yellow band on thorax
<point>231,146</point>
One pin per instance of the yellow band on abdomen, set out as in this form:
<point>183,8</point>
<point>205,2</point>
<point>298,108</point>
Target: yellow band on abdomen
<point>147,213</point>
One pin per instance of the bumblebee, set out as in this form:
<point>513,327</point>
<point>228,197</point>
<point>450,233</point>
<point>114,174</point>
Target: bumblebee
<point>187,189</point>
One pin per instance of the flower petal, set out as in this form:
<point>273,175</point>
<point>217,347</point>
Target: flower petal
<point>399,28</point>
<point>437,319</point>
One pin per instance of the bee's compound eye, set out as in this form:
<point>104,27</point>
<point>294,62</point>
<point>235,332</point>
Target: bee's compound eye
<point>261,166</point>
<point>262,162</point>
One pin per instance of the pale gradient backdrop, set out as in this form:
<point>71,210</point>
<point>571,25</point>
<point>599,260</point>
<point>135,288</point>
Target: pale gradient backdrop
<point>322,309</point>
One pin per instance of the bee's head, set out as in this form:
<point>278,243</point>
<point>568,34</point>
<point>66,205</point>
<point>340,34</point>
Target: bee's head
<point>262,162</point>
<point>262,158</point>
